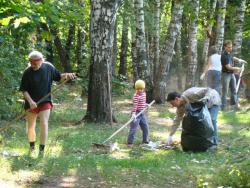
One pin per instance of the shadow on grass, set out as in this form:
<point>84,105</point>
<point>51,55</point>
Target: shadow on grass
<point>70,162</point>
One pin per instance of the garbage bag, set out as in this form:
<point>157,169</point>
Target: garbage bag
<point>197,128</point>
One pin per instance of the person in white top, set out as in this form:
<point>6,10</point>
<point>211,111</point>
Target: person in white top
<point>213,70</point>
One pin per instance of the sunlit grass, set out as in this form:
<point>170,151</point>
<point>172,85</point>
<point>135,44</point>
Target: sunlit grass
<point>71,161</point>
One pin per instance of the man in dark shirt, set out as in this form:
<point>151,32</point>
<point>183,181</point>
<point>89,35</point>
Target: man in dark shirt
<point>36,83</point>
<point>228,78</point>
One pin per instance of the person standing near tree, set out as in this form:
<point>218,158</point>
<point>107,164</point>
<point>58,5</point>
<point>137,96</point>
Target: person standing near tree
<point>35,84</point>
<point>228,77</point>
<point>139,103</point>
<point>213,70</point>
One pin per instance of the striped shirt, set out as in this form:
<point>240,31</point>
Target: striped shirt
<point>139,101</point>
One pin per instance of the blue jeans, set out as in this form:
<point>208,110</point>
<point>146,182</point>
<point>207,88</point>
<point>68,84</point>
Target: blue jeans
<point>214,80</point>
<point>142,121</point>
<point>214,110</point>
<point>228,80</point>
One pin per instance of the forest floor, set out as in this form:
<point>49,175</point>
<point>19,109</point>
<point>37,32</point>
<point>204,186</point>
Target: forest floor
<point>70,159</point>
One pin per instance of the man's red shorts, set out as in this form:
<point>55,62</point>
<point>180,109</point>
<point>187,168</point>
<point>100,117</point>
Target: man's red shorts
<point>41,107</point>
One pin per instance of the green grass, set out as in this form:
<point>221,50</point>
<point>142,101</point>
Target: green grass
<point>70,160</point>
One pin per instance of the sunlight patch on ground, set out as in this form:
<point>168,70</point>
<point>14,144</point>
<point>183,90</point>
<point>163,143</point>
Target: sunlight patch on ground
<point>154,113</point>
<point>68,181</point>
<point>162,135</point>
<point>225,126</point>
<point>27,176</point>
<point>121,154</point>
<point>125,101</point>
<point>163,121</point>
<point>55,151</point>
<point>124,111</point>
<point>8,184</point>
<point>73,94</point>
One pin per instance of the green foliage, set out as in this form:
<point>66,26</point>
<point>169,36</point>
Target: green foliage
<point>235,175</point>
<point>10,72</point>
<point>120,85</point>
<point>19,23</point>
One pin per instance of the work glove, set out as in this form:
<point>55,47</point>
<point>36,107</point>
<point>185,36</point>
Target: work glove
<point>202,76</point>
<point>170,140</point>
<point>133,116</point>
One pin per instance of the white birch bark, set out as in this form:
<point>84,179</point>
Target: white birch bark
<point>166,53</point>
<point>239,21</point>
<point>103,16</point>
<point>220,25</point>
<point>208,31</point>
<point>192,49</point>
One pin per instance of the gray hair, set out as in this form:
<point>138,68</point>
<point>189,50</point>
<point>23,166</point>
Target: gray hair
<point>35,54</point>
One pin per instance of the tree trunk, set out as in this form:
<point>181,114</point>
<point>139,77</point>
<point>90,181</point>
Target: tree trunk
<point>49,49</point>
<point>80,44</point>
<point>143,67</point>
<point>69,42</point>
<point>124,45</point>
<point>114,53</point>
<point>220,24</point>
<point>166,53</point>
<point>192,50</point>
<point>103,16</point>
<point>179,62</point>
<point>80,50</point>
<point>61,51</point>
<point>239,21</point>
<point>133,48</point>
<point>208,33</point>
<point>48,43</point>
<point>156,45</point>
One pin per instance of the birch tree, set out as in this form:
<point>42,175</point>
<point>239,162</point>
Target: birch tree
<point>133,45</point>
<point>239,22</point>
<point>179,62</point>
<point>192,48</point>
<point>166,52</point>
<point>208,31</point>
<point>156,45</point>
<point>102,23</point>
<point>124,42</point>
<point>142,64</point>
<point>220,24</point>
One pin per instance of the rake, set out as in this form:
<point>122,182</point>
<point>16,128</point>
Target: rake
<point>104,145</point>
<point>8,125</point>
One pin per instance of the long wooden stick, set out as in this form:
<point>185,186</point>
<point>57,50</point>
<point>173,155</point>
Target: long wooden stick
<point>238,83</point>
<point>132,119</point>
<point>24,112</point>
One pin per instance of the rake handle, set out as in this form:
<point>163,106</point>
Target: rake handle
<point>38,102</point>
<point>238,83</point>
<point>125,125</point>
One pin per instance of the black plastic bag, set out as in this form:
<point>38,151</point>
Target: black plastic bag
<point>197,128</point>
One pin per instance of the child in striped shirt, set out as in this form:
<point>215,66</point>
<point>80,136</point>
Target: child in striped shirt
<point>139,103</point>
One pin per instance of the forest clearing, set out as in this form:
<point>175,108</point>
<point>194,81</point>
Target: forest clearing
<point>78,79</point>
<point>69,160</point>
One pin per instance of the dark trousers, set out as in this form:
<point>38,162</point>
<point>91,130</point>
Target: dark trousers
<point>142,121</point>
